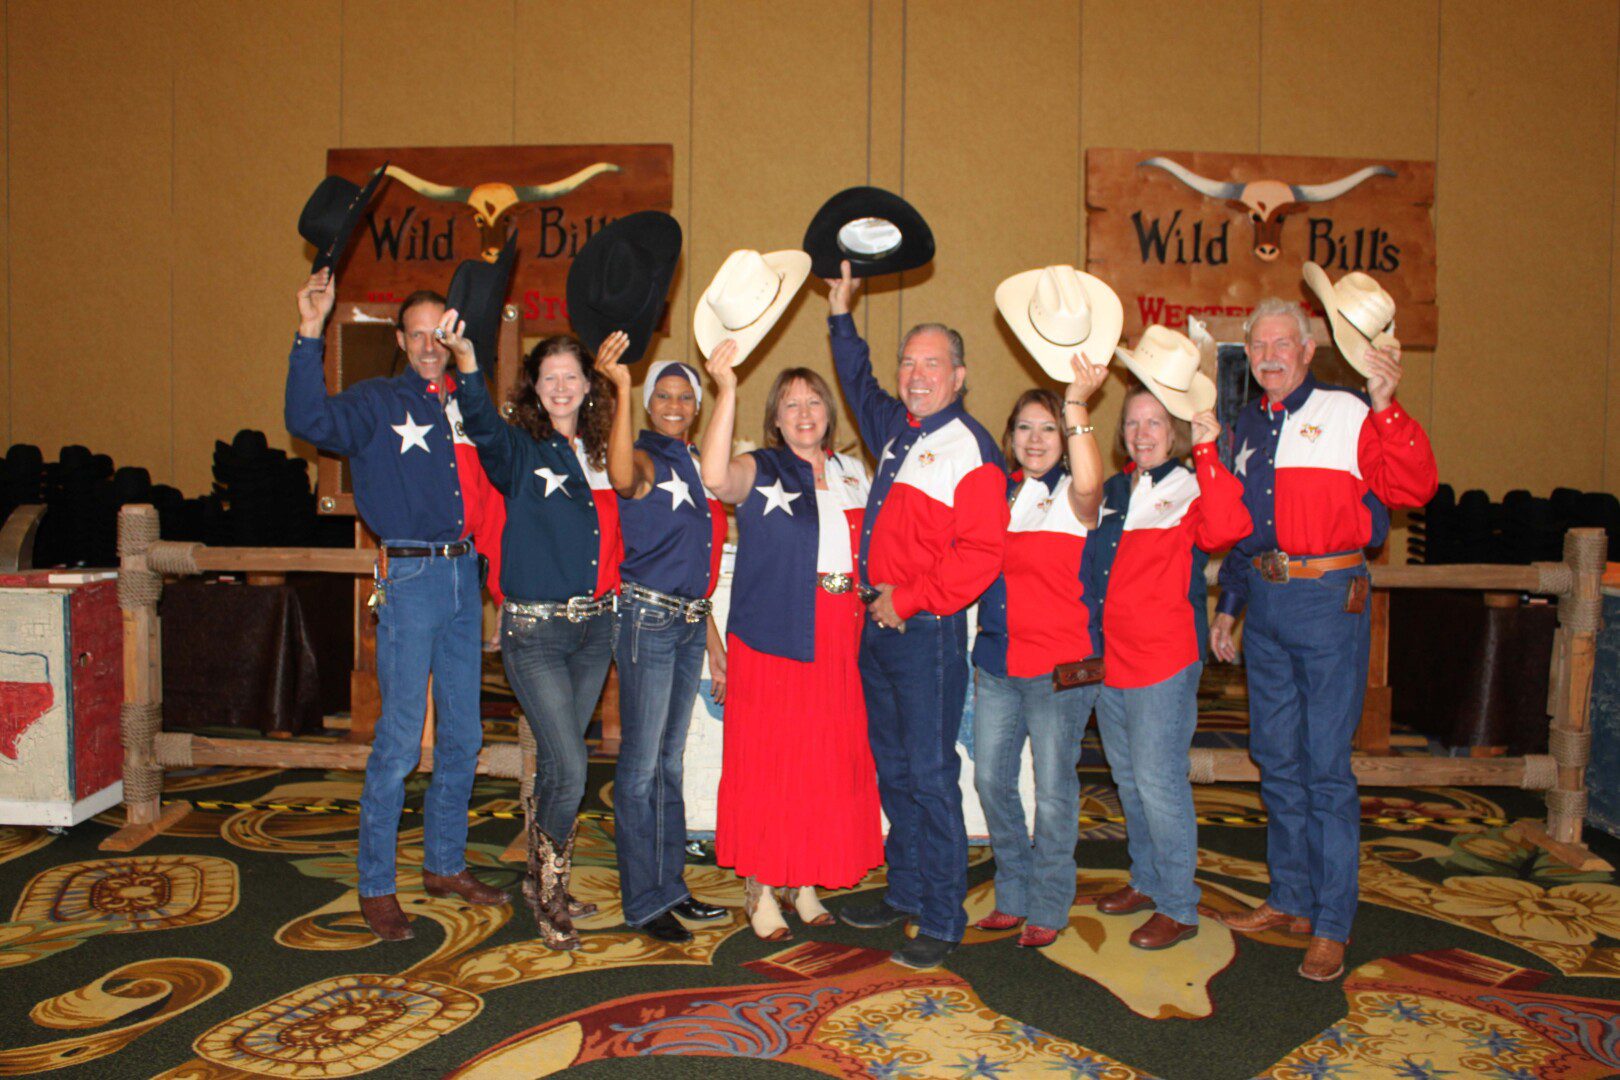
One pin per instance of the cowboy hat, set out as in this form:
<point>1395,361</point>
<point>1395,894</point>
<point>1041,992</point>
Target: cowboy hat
<point>331,215</point>
<point>620,278</point>
<point>1059,311</point>
<point>746,297</point>
<point>478,295</point>
<point>1167,364</point>
<point>1361,313</point>
<point>876,230</point>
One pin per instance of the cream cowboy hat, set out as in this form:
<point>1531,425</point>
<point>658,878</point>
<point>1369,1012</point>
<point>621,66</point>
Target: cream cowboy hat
<point>1167,364</point>
<point>1361,313</point>
<point>1058,311</point>
<point>746,298</point>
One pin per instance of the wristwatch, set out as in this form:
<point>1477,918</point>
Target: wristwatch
<point>1083,429</point>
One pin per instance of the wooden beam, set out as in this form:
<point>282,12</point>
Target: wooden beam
<point>1234,766</point>
<point>17,538</point>
<point>294,754</point>
<point>1575,855</point>
<point>285,560</point>
<point>133,835</point>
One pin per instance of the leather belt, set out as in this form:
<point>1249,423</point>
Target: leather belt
<point>1277,568</point>
<point>422,551</point>
<point>574,609</point>
<point>690,610</point>
<point>837,584</point>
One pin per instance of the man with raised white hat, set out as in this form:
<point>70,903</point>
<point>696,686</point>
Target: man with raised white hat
<point>1319,466</point>
<point>932,542</point>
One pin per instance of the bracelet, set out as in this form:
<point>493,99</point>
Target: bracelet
<point>1071,401</point>
<point>1083,429</point>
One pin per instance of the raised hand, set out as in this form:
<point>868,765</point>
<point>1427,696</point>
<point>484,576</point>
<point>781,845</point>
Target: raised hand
<point>452,332</point>
<point>1205,428</point>
<point>841,291</point>
<point>1383,373</point>
<point>1087,378</point>
<point>720,368</point>
<point>315,300</point>
<point>607,361</point>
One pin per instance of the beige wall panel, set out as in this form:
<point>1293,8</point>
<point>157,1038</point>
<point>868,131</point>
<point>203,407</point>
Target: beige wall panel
<point>5,247</point>
<point>629,82</point>
<point>767,151</point>
<point>431,72</point>
<point>1181,75</point>
<point>1611,427</point>
<point>90,145</point>
<point>878,314</point>
<point>256,107</point>
<point>1525,193</point>
<point>992,157</point>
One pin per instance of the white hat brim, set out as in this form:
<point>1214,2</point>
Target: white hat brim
<point>1181,404</point>
<point>794,266</point>
<point>1352,344</point>
<point>1107,323</point>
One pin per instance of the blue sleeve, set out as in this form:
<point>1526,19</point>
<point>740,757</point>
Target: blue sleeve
<point>878,412</point>
<point>1234,582</point>
<point>499,448</point>
<point>339,423</point>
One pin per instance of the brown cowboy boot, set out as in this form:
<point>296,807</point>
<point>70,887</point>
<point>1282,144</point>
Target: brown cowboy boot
<point>546,883</point>
<point>463,885</point>
<point>1264,917</point>
<point>576,909</point>
<point>386,918</point>
<point>1324,960</point>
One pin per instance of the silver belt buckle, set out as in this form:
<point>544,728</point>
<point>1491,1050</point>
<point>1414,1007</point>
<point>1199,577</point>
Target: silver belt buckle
<point>698,610</point>
<point>575,610</point>
<point>1274,567</point>
<point>836,584</point>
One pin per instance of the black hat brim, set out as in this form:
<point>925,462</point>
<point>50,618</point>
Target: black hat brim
<point>657,234</point>
<point>478,295</point>
<point>826,253</point>
<point>332,254</point>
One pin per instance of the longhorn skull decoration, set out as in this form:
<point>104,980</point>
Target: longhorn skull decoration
<point>1265,201</point>
<point>491,201</point>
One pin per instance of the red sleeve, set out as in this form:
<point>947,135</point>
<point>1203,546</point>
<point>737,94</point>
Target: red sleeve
<point>1223,520</point>
<point>487,520</point>
<point>1396,459</point>
<point>972,559</point>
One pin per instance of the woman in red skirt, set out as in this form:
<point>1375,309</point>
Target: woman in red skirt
<point>798,790</point>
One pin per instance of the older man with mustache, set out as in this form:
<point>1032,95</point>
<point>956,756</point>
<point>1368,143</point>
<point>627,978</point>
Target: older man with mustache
<point>1319,464</point>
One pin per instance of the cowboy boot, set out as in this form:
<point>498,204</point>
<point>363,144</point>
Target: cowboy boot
<point>544,886</point>
<point>576,908</point>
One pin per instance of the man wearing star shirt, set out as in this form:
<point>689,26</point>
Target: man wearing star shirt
<point>1319,465</point>
<point>419,487</point>
<point>932,542</point>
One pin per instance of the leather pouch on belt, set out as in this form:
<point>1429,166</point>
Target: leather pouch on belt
<point>1355,595</point>
<point>1079,673</point>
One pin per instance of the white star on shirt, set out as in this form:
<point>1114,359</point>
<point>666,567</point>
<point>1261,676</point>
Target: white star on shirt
<point>888,453</point>
<point>554,481</point>
<point>776,497</point>
<point>1240,464</point>
<point>679,492</point>
<point>412,434</point>
<point>1103,511</point>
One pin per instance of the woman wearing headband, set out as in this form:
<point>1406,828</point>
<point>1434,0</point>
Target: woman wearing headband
<point>798,789</point>
<point>674,531</point>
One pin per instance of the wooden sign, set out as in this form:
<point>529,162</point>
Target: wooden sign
<point>1207,234</point>
<point>445,204</point>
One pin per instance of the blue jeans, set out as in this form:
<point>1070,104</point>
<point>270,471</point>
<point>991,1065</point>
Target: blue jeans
<point>1307,667</point>
<point>915,685</point>
<point>557,669</point>
<point>1035,883</point>
<point>1146,733</point>
<point>429,622</point>
<point>660,657</point>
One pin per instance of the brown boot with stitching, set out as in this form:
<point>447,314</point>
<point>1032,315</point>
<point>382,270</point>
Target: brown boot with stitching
<point>1124,902</point>
<point>386,918</point>
<point>545,886</point>
<point>1264,917</point>
<point>1324,960</point>
<point>463,885</point>
<point>1161,932</point>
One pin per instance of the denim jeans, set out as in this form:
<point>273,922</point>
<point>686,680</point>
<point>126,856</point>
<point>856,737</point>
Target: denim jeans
<point>1036,882</point>
<point>660,657</point>
<point>915,685</point>
<point>557,669</point>
<point>1306,659</point>
<point>1146,733</point>
<point>428,623</point>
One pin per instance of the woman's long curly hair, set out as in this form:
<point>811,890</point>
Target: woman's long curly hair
<point>595,412</point>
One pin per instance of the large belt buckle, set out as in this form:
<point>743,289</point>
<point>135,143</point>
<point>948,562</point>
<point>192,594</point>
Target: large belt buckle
<point>1274,567</point>
<point>836,584</point>
<point>698,610</point>
<point>577,609</point>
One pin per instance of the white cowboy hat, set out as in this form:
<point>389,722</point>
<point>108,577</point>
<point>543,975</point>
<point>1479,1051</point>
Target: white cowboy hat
<point>746,298</point>
<point>1167,364</point>
<point>1360,312</point>
<point>1058,311</point>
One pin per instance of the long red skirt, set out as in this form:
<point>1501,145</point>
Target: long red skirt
<point>798,798</point>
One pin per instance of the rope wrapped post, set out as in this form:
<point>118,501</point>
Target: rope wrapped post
<point>517,850</point>
<point>141,715</point>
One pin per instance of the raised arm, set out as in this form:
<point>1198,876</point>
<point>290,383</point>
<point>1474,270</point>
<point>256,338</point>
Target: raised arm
<point>341,423</point>
<point>630,473</point>
<point>877,412</point>
<point>1223,520</point>
<point>730,478</point>
<point>1394,451</point>
<point>1085,459</point>
<point>499,446</point>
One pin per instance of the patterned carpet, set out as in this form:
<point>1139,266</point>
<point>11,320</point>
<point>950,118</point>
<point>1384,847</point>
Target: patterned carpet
<point>233,947</point>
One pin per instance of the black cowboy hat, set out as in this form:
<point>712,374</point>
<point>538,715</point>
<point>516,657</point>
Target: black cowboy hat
<point>478,293</point>
<point>332,214</point>
<point>876,230</point>
<point>620,279</point>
